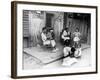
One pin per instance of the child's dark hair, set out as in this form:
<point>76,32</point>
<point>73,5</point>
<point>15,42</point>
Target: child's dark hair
<point>43,28</point>
<point>72,52</point>
<point>77,29</point>
<point>72,49</point>
<point>66,29</point>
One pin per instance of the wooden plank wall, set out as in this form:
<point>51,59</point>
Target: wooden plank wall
<point>57,23</point>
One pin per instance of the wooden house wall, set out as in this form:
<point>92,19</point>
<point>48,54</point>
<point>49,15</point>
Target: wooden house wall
<point>57,23</point>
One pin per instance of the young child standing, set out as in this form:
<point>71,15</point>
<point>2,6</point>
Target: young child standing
<point>76,38</point>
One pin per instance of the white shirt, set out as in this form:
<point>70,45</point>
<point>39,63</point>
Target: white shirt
<point>64,35</point>
<point>43,36</point>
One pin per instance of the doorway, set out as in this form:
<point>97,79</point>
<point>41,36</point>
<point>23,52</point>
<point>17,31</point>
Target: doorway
<point>49,17</point>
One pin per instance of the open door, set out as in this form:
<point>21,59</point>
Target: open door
<point>49,17</point>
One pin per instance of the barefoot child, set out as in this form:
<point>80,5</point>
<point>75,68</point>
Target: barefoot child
<point>76,38</point>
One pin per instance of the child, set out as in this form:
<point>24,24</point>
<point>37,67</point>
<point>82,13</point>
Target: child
<point>66,37</point>
<point>69,51</point>
<point>72,52</point>
<point>43,36</point>
<point>69,57</point>
<point>48,39</point>
<point>52,39</point>
<point>77,38</point>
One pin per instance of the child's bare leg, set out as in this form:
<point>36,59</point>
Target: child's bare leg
<point>78,44</point>
<point>53,43</point>
<point>75,44</point>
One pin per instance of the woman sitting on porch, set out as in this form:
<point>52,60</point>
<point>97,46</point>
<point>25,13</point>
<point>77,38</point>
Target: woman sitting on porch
<point>47,36</point>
